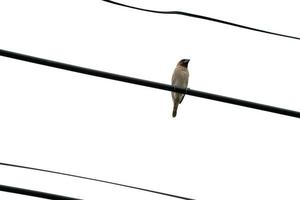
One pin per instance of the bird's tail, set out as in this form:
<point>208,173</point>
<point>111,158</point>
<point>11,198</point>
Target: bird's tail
<point>175,109</point>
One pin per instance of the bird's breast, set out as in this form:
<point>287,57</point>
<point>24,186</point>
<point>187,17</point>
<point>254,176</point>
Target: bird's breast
<point>181,78</point>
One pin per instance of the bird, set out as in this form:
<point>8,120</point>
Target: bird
<point>180,79</point>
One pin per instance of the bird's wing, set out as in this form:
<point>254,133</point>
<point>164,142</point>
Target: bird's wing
<point>174,77</point>
<point>182,98</point>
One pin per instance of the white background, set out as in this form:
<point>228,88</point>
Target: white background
<point>120,132</point>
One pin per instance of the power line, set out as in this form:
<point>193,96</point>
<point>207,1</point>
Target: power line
<point>202,17</point>
<point>94,179</point>
<point>34,193</point>
<point>147,83</point>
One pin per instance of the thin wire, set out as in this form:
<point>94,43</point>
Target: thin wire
<point>94,179</point>
<point>34,193</point>
<point>147,83</point>
<point>202,17</point>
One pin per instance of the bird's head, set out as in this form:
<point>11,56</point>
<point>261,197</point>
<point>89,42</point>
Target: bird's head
<point>184,63</point>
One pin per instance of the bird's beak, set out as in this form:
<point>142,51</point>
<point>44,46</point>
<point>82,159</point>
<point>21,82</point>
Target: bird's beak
<point>187,60</point>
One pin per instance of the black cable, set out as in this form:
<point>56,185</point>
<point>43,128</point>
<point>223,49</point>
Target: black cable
<point>34,193</point>
<point>94,179</point>
<point>202,17</point>
<point>147,83</point>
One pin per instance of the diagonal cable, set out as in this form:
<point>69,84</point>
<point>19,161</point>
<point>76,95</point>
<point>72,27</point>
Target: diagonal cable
<point>34,193</point>
<point>148,83</point>
<point>94,179</point>
<point>202,17</point>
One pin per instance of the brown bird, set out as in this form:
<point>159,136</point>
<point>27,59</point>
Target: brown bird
<point>180,79</point>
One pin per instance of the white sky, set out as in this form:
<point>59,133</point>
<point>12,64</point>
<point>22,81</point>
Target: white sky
<point>120,132</point>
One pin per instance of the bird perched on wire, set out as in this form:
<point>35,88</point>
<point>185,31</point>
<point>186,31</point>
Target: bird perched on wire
<point>180,79</point>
